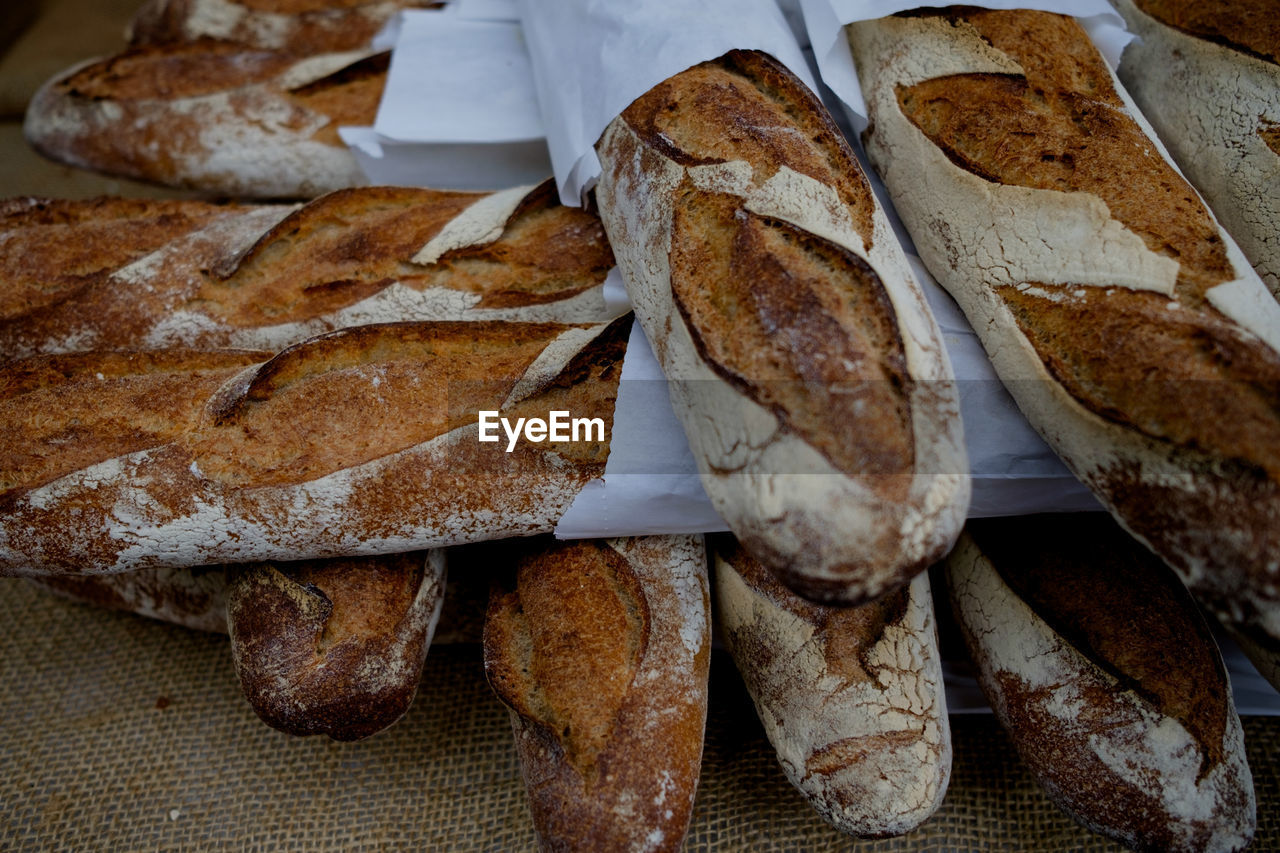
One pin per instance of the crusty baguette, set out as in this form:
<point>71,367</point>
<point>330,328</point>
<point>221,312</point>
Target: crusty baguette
<point>1128,327</point>
<point>851,698</point>
<point>121,274</point>
<point>334,647</point>
<point>212,116</point>
<point>298,26</point>
<point>1106,676</point>
<point>1207,76</point>
<point>804,363</point>
<point>356,442</point>
<point>601,650</point>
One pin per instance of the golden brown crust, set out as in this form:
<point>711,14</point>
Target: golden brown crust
<point>1105,675</point>
<point>564,643</point>
<point>729,109</point>
<point>1249,26</point>
<point>64,281</point>
<point>333,647</point>
<point>795,337</point>
<point>600,650</point>
<point>1119,605</point>
<point>60,414</point>
<point>817,356</point>
<point>190,498</point>
<point>53,250</point>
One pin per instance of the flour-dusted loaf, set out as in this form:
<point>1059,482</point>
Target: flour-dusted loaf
<point>334,647</point>
<point>1207,76</point>
<point>601,650</point>
<point>803,360</point>
<point>212,116</point>
<point>850,697</point>
<point>121,274</point>
<point>357,442</point>
<point>1128,327</point>
<point>1107,679</point>
<point>298,26</point>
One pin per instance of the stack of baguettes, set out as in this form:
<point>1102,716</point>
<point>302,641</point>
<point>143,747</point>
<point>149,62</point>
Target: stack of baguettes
<point>193,383</point>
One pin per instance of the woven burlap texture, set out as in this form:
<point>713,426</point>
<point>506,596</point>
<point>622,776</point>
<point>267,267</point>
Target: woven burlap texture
<point>122,733</point>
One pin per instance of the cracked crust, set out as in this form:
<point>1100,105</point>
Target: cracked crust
<point>802,359</point>
<point>303,27</point>
<point>110,274</point>
<point>851,698</point>
<point>1206,75</point>
<point>1135,339</point>
<point>212,116</point>
<point>601,648</point>
<point>334,647</point>
<point>1106,676</point>
<point>261,461</point>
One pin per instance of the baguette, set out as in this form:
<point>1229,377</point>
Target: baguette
<point>334,647</point>
<point>851,698</point>
<point>601,650</point>
<point>803,360</point>
<point>1104,673</point>
<point>1207,75</point>
<point>1125,323</point>
<point>212,116</point>
<point>303,27</point>
<point>113,274</point>
<point>357,442</point>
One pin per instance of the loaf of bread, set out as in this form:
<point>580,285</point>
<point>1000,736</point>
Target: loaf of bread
<point>601,651</point>
<point>1207,75</point>
<point>361,441</point>
<point>298,26</point>
<point>115,274</point>
<point>334,647</point>
<point>1126,324</point>
<point>212,116</point>
<point>851,698</point>
<point>1105,675</point>
<point>803,360</point>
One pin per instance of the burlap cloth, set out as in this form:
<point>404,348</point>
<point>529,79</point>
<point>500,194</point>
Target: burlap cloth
<point>119,732</point>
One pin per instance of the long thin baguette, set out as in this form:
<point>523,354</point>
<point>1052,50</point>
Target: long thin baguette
<point>123,274</point>
<point>357,442</point>
<point>1207,76</point>
<point>1106,677</point>
<point>851,698</point>
<point>804,363</point>
<point>303,27</point>
<point>212,116</point>
<point>334,647</point>
<point>1128,327</point>
<point>601,650</point>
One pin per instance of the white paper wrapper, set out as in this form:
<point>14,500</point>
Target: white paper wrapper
<point>825,19</point>
<point>592,58</point>
<point>459,109</point>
